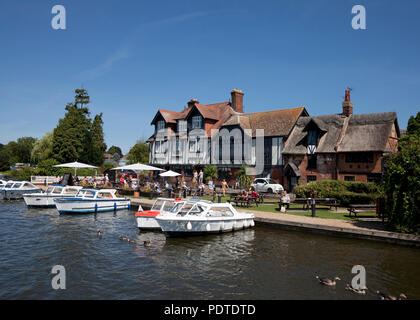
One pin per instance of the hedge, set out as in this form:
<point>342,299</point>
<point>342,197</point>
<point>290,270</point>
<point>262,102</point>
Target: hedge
<point>346,192</point>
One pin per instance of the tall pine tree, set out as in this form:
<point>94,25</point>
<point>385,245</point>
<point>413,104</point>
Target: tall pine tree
<point>76,138</point>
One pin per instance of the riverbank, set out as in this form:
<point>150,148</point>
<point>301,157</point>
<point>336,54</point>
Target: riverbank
<point>368,229</point>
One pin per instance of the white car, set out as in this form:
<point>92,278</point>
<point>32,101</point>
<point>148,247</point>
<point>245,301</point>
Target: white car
<point>266,185</point>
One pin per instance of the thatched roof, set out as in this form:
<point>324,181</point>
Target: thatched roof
<point>338,133</point>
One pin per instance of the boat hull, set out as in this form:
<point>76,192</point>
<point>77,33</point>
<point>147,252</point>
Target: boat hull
<point>190,227</point>
<point>16,194</point>
<point>41,200</point>
<point>72,205</point>
<point>146,220</point>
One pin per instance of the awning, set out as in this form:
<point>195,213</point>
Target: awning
<point>291,169</point>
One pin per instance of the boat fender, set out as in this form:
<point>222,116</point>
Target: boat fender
<point>96,207</point>
<point>189,226</point>
<point>245,223</point>
<point>234,225</point>
<point>115,206</point>
<point>208,227</point>
<point>222,226</point>
<point>252,223</point>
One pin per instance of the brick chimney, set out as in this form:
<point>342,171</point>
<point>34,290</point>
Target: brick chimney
<point>237,100</point>
<point>192,102</point>
<point>347,105</point>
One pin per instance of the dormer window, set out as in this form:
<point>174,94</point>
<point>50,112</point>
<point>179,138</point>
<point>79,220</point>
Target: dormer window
<point>312,138</point>
<point>182,126</point>
<point>196,122</point>
<point>160,125</point>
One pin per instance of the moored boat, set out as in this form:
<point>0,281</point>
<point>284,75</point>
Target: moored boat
<point>204,217</point>
<point>146,219</point>
<point>92,201</point>
<point>13,190</point>
<point>46,199</point>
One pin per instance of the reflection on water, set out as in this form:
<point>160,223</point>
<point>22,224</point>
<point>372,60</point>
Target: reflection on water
<point>259,263</point>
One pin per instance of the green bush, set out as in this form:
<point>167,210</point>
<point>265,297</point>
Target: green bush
<point>347,192</point>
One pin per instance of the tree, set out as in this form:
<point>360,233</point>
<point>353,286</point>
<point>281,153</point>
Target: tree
<point>139,152</point>
<point>43,148</point>
<point>97,139</point>
<point>210,172</point>
<point>114,149</point>
<point>402,182</point>
<point>71,137</point>
<point>4,159</point>
<point>245,180</point>
<point>20,150</point>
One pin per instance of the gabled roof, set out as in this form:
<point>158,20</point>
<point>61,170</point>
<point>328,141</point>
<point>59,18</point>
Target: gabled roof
<point>357,133</point>
<point>275,123</point>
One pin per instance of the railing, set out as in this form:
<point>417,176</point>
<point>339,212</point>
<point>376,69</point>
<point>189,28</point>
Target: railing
<point>46,180</point>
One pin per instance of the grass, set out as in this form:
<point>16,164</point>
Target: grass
<point>296,209</point>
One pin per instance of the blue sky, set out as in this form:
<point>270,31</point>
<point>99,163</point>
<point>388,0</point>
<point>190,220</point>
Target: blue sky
<point>134,57</point>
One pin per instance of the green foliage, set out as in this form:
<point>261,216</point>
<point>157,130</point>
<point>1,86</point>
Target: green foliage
<point>210,172</point>
<point>347,192</point>
<point>105,166</point>
<point>114,149</point>
<point>402,182</point>
<point>46,168</point>
<point>4,159</point>
<point>98,145</point>
<point>245,180</point>
<point>139,153</point>
<point>76,138</point>
<point>42,149</point>
<point>22,174</point>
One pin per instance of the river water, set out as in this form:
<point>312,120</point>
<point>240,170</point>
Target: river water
<point>258,263</point>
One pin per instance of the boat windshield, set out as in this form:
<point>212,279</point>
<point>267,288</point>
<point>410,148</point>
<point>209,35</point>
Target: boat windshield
<point>168,205</point>
<point>157,205</point>
<point>196,210</point>
<point>177,207</point>
<point>49,190</point>
<point>71,191</point>
<point>9,185</point>
<point>187,207</point>
<point>17,185</point>
<point>58,190</point>
<point>220,212</point>
<point>107,195</point>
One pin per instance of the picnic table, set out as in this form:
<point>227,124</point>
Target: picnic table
<point>307,202</point>
<point>246,201</point>
<point>359,208</point>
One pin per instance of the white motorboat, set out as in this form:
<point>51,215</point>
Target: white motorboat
<point>13,190</point>
<point>91,200</point>
<point>204,217</point>
<point>46,199</point>
<point>146,219</point>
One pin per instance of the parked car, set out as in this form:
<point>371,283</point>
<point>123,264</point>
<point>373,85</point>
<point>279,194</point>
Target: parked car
<point>266,185</point>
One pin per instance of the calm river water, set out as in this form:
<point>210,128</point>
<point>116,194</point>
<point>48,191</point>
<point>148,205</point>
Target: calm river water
<point>259,263</point>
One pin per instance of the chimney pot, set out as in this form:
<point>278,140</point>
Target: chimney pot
<point>192,102</point>
<point>237,100</point>
<point>347,105</point>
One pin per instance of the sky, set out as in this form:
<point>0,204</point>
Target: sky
<point>134,57</point>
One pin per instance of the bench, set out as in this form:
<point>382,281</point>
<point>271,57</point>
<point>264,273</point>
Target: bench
<point>239,200</point>
<point>307,202</point>
<point>359,208</point>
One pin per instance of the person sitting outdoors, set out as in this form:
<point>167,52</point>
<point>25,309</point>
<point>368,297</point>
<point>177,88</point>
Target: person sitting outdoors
<point>285,200</point>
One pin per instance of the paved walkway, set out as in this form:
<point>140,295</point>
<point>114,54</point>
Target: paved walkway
<point>372,229</point>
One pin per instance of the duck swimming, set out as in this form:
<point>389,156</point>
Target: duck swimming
<point>100,233</point>
<point>385,296</point>
<point>359,291</point>
<point>327,282</point>
<point>146,243</point>
<point>122,238</point>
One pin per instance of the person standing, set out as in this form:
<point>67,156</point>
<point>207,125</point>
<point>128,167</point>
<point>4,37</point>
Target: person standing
<point>211,186</point>
<point>201,177</point>
<point>224,186</point>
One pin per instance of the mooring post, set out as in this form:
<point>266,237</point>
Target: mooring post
<point>313,207</point>
<point>219,198</point>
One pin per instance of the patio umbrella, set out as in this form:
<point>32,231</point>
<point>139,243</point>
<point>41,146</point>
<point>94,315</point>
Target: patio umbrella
<point>76,165</point>
<point>169,173</point>
<point>138,167</point>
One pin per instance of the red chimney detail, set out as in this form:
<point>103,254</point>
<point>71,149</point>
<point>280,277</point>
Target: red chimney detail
<point>347,105</point>
<point>237,100</point>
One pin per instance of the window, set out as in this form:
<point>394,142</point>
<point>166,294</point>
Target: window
<point>157,147</point>
<point>157,205</point>
<point>58,190</point>
<point>182,125</point>
<point>312,161</point>
<point>312,137</point>
<point>160,125</point>
<point>177,150</point>
<point>348,178</point>
<point>196,122</point>
<point>359,157</point>
<point>310,178</point>
<point>192,145</point>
